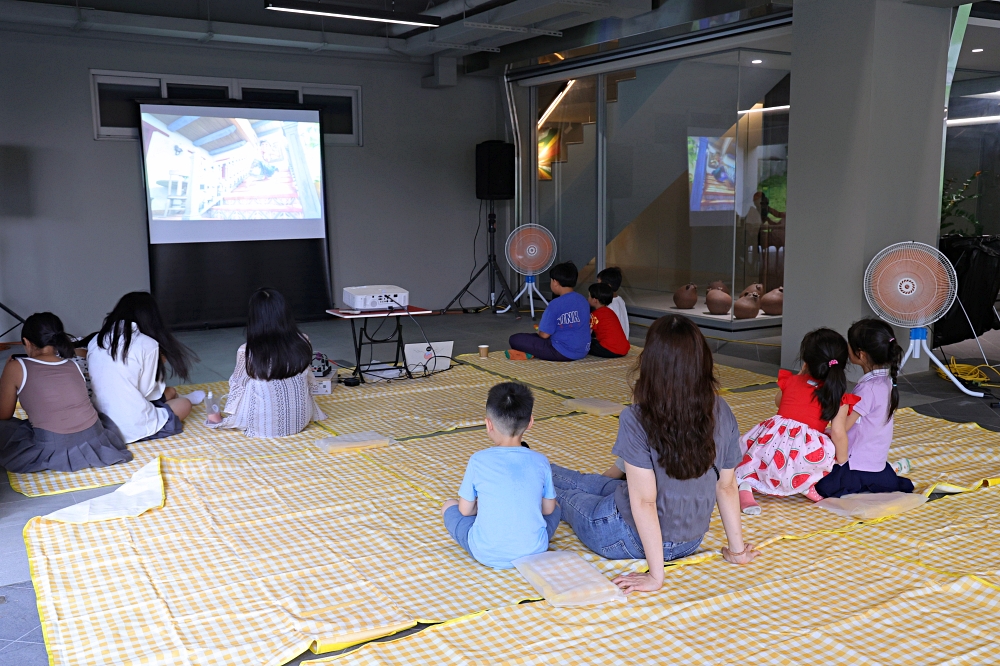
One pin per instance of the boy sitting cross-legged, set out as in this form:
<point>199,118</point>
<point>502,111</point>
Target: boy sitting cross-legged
<point>506,507</point>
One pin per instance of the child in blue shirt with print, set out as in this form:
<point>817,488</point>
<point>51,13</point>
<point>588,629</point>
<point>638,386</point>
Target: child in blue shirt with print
<point>564,331</point>
<point>506,507</point>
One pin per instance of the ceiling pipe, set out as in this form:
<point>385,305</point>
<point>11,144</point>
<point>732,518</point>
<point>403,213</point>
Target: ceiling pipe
<point>444,10</point>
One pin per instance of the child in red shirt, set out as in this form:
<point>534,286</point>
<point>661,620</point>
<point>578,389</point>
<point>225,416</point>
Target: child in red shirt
<point>608,339</point>
<point>788,453</point>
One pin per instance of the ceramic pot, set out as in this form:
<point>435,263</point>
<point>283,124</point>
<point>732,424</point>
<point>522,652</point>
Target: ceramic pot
<point>753,289</point>
<point>685,297</point>
<point>718,284</point>
<point>773,301</point>
<point>747,307</point>
<point>718,301</point>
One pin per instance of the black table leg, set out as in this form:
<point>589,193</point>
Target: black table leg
<point>356,339</point>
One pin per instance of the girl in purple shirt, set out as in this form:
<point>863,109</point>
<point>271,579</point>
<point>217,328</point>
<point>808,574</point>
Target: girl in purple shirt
<point>862,438</point>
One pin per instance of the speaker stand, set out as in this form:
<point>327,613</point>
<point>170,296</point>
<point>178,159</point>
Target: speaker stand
<point>12,314</point>
<point>494,274</point>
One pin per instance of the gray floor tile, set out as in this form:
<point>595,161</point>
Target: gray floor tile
<point>23,654</point>
<point>19,615</point>
<point>907,399</point>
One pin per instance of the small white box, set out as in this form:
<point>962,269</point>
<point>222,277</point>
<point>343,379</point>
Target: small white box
<point>376,297</point>
<point>322,387</point>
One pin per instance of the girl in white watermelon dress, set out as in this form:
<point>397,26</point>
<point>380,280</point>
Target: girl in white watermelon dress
<point>788,453</point>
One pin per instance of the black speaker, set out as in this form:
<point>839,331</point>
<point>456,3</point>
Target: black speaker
<point>494,170</point>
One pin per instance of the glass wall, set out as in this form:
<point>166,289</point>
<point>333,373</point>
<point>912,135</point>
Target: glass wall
<point>972,159</point>
<point>566,197</point>
<point>694,177</point>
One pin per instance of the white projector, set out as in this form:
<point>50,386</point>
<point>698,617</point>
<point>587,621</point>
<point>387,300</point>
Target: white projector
<point>376,297</point>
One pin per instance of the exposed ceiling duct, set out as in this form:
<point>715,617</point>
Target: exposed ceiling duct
<point>486,30</point>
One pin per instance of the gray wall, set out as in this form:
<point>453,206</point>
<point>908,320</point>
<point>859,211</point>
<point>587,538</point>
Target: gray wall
<point>864,161</point>
<point>401,209</point>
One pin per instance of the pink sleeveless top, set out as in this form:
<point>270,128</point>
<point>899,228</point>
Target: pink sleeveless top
<point>54,395</point>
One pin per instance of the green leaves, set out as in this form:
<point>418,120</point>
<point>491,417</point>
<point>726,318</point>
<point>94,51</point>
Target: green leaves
<point>951,200</point>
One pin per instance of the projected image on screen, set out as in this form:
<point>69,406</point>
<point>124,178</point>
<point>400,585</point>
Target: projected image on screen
<point>712,173</point>
<point>226,174</point>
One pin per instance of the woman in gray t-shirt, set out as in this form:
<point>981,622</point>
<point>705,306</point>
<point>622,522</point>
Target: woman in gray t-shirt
<point>680,445</point>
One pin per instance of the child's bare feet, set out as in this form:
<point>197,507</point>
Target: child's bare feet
<point>447,505</point>
<point>748,504</point>
<point>812,494</point>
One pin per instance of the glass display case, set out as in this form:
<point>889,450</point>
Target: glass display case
<point>676,172</point>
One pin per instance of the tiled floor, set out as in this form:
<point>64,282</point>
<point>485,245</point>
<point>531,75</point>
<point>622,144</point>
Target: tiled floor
<point>20,633</point>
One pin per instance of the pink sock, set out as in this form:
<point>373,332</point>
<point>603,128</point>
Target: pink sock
<point>748,504</point>
<point>812,494</point>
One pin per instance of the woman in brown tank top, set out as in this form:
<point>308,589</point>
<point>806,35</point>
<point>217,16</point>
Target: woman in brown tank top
<point>63,430</point>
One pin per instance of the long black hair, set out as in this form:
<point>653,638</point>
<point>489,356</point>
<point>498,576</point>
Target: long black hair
<point>675,393</point>
<point>276,348</point>
<point>877,339</point>
<point>43,329</point>
<point>140,308</point>
<point>824,351</point>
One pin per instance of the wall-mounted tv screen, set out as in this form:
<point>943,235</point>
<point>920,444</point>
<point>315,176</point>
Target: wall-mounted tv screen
<point>217,174</point>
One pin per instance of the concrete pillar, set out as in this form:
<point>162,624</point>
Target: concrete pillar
<point>864,151</point>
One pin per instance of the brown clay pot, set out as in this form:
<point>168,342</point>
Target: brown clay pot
<point>718,301</point>
<point>753,289</point>
<point>773,301</point>
<point>747,307</point>
<point>685,297</point>
<point>718,284</point>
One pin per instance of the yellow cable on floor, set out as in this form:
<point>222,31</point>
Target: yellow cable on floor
<point>970,373</point>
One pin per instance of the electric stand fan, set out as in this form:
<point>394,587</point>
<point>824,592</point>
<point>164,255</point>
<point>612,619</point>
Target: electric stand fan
<point>912,285</point>
<point>531,250</point>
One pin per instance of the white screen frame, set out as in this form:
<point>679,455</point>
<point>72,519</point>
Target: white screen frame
<point>173,231</point>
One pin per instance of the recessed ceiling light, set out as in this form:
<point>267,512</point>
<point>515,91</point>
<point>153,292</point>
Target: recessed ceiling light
<point>977,50</point>
<point>757,62</point>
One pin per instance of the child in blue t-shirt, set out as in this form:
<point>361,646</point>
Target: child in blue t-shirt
<point>564,331</point>
<point>506,507</point>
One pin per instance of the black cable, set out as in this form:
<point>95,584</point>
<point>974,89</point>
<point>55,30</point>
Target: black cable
<point>475,260</point>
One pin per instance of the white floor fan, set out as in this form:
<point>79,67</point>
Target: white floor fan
<point>912,285</point>
<point>531,250</point>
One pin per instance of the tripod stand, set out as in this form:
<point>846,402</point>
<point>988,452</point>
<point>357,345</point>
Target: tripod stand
<point>12,314</point>
<point>494,275</point>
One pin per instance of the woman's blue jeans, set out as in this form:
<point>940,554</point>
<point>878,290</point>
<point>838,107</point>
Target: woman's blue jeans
<point>588,505</point>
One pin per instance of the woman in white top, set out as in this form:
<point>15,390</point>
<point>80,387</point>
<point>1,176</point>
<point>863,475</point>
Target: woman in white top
<point>63,431</point>
<point>269,392</point>
<point>127,360</point>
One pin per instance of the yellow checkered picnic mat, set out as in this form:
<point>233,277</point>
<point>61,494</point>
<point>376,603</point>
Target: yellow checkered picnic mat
<point>822,600</point>
<point>442,402</point>
<point>593,377</point>
<point>958,534</point>
<point>197,441</point>
<point>408,408</point>
<point>254,561</point>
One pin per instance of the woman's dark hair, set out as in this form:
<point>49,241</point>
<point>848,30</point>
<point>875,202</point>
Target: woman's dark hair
<point>602,292</point>
<point>565,274</point>
<point>43,329</point>
<point>824,351</point>
<point>140,308</point>
<point>675,394</point>
<point>276,348</point>
<point>877,339</point>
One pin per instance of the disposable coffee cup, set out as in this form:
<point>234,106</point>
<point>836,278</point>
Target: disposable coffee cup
<point>484,351</point>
